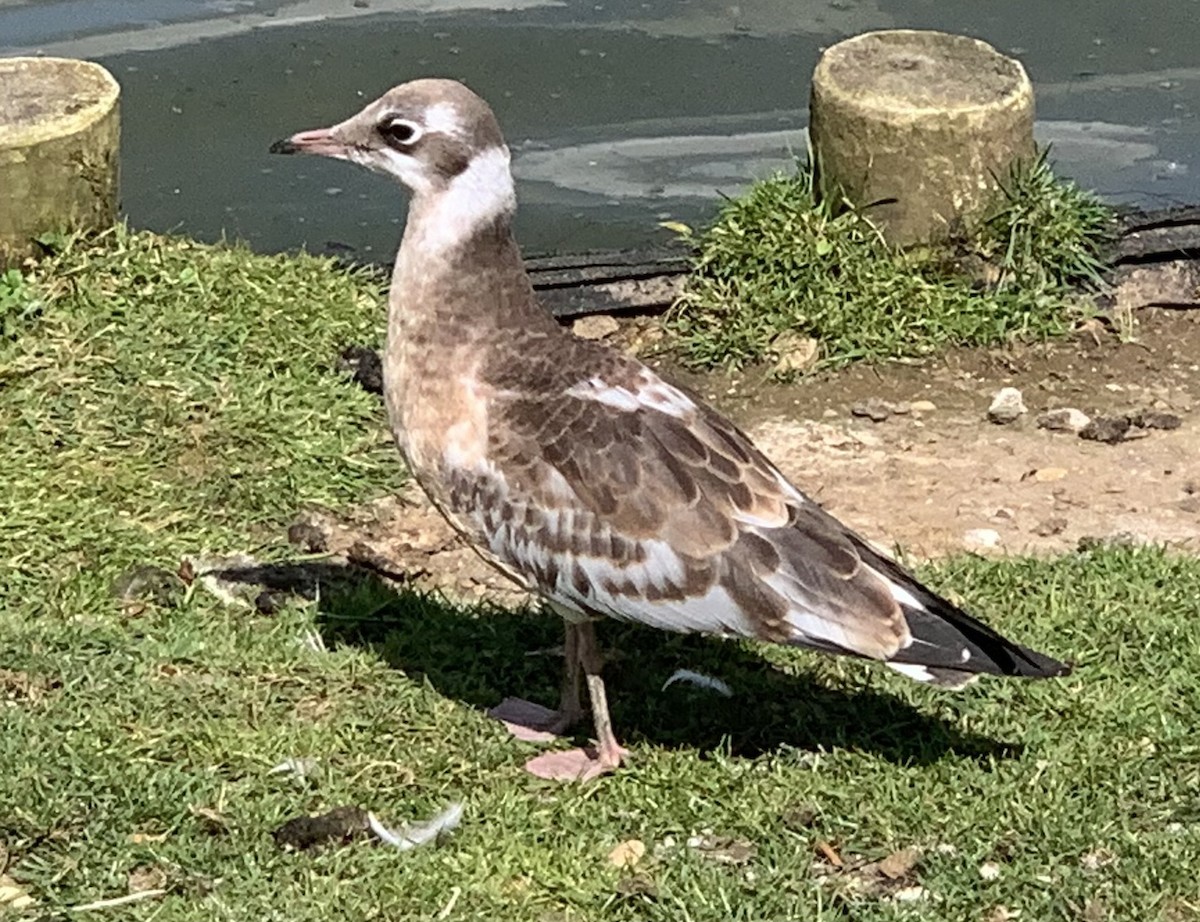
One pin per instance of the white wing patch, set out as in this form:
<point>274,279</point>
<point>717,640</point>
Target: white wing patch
<point>596,389</point>
<point>649,393</point>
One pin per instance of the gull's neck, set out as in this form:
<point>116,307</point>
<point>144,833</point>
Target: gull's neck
<point>446,214</point>
<point>458,264</point>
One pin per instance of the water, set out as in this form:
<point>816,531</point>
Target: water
<point>621,114</point>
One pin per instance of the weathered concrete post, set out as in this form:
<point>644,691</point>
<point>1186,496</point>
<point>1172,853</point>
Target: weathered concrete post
<point>59,139</point>
<point>925,118</point>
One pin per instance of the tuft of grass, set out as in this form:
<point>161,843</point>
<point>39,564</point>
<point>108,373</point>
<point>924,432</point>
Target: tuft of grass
<point>778,261</point>
<point>1044,232</point>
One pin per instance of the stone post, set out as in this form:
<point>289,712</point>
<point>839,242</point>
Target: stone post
<point>922,123</point>
<point>59,141</point>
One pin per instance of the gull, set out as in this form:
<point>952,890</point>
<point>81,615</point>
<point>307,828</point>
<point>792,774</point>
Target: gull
<point>584,476</point>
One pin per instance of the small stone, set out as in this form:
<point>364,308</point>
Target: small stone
<point>270,601</point>
<point>1065,419</point>
<point>595,326</point>
<point>1050,527</point>
<point>1148,419</point>
<point>1049,474</point>
<point>1191,504</point>
<point>308,537</point>
<point>796,353</point>
<point>902,408</point>
<point>989,870</point>
<point>912,894</point>
<point>981,539</point>
<point>1107,429</point>
<point>923,406</point>
<point>1007,406</point>
<point>829,413</point>
<point>873,409</point>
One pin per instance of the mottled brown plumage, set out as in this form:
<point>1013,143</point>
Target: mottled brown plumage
<point>583,475</point>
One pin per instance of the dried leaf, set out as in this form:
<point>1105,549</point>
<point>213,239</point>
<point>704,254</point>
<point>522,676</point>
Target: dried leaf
<point>830,854</point>
<point>13,895</point>
<point>627,853</point>
<point>900,863</point>
<point>1097,859</point>
<point>146,877</point>
<point>146,838</point>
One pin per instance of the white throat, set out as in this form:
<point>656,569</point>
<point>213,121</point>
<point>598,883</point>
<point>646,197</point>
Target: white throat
<point>441,219</point>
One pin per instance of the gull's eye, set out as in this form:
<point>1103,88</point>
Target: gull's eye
<point>399,132</point>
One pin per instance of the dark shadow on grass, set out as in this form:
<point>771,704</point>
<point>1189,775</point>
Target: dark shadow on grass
<point>480,655</point>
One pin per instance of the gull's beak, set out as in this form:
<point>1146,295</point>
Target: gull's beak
<point>320,141</point>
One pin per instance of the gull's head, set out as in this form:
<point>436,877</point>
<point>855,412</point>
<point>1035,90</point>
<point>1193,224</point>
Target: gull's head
<point>426,133</point>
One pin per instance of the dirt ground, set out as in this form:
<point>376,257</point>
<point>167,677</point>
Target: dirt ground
<point>935,476</point>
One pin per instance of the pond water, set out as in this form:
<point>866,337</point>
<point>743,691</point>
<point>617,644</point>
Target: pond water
<point>620,113</point>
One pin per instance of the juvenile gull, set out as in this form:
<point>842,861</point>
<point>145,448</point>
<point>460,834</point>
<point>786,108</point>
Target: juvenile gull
<point>583,475</point>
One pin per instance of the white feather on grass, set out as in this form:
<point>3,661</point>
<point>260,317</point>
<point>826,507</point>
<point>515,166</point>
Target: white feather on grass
<point>700,680</point>
<point>300,767</point>
<point>412,835</point>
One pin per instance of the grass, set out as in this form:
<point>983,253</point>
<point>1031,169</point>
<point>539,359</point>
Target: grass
<point>167,397</point>
<point>777,263</point>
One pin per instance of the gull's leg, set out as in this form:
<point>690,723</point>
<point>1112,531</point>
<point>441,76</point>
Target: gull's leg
<point>609,751</point>
<point>532,722</point>
<point>584,764</point>
<point>570,707</point>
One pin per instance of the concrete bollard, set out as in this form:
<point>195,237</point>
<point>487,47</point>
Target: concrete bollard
<point>926,119</point>
<point>59,144</point>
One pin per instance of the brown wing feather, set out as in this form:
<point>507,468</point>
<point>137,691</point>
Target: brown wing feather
<point>623,496</point>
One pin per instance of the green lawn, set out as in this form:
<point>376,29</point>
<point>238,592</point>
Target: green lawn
<point>169,398</point>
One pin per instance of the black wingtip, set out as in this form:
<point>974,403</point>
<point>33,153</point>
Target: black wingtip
<point>283,146</point>
<point>1040,666</point>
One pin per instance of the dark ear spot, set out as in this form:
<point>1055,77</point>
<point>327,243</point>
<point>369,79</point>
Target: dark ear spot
<point>399,133</point>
